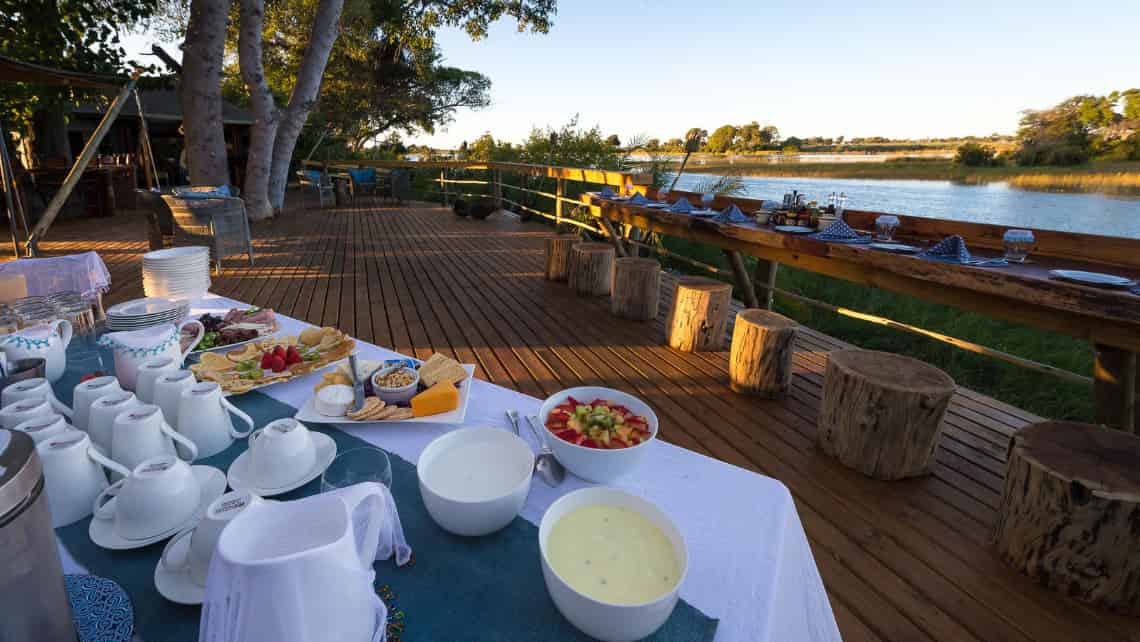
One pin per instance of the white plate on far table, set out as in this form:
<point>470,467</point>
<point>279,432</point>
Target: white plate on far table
<point>793,229</point>
<point>1096,279</point>
<point>308,413</point>
<point>901,248</point>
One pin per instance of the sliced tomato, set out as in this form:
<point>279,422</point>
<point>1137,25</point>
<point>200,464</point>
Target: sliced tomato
<point>567,435</point>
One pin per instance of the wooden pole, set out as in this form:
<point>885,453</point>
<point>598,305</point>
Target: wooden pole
<point>743,283</point>
<point>9,186</point>
<point>619,247</point>
<point>443,185</point>
<point>559,191</point>
<point>80,165</point>
<point>766,274</point>
<point>150,169</point>
<point>1114,388</point>
<point>497,177</point>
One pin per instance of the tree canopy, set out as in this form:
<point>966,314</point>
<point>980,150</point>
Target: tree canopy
<point>1080,128</point>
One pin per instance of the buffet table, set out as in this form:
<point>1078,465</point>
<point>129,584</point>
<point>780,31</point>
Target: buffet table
<point>750,565</point>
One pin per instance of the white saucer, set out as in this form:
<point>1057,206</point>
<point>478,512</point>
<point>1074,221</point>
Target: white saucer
<point>213,484</point>
<point>240,478</point>
<point>177,586</point>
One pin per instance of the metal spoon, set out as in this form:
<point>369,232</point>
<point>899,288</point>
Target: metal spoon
<point>513,416</point>
<point>547,467</point>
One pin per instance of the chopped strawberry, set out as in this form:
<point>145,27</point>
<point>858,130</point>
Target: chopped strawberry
<point>573,402</point>
<point>279,351</point>
<point>292,356</point>
<point>567,435</point>
<point>555,425</point>
<point>589,443</point>
<point>618,443</point>
<point>266,360</point>
<point>580,438</point>
<point>277,364</point>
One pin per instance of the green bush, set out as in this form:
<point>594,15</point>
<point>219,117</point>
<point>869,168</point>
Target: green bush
<point>976,155</point>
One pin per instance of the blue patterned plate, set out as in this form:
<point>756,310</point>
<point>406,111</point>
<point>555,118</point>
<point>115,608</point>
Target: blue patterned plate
<point>100,608</point>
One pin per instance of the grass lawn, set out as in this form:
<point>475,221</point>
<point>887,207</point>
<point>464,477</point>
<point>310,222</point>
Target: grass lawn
<point>1039,393</point>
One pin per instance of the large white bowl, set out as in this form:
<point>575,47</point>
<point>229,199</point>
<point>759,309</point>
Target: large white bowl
<point>602,620</point>
<point>506,466</point>
<point>595,464</point>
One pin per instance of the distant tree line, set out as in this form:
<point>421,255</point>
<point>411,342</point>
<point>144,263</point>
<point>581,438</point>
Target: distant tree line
<point>1081,128</point>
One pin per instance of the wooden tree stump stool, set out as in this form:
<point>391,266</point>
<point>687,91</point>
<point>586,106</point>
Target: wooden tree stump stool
<point>699,316</point>
<point>881,413</point>
<point>760,361</point>
<point>591,268</point>
<point>1070,512</point>
<point>636,289</point>
<point>558,256</point>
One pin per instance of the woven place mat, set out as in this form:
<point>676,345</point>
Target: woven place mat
<point>458,588</point>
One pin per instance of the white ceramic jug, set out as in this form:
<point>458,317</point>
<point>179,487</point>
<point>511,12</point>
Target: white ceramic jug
<point>298,571</point>
<point>134,347</point>
<point>47,342</point>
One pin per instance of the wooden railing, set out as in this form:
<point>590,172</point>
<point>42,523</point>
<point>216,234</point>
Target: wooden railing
<point>566,209</point>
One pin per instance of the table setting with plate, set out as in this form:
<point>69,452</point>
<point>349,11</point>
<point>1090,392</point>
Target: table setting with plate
<point>484,497</point>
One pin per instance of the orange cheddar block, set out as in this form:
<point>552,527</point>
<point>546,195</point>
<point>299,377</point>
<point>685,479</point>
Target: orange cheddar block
<point>442,397</point>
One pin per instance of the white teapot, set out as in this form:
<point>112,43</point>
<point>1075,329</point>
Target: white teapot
<point>48,342</point>
<point>134,347</point>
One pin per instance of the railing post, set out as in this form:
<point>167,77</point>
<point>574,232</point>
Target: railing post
<point>443,184</point>
<point>1115,388</point>
<point>766,274</point>
<point>560,192</point>
<point>497,179</point>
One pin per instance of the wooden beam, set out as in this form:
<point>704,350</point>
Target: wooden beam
<point>743,283</point>
<point>560,192</point>
<point>766,274</point>
<point>1114,373</point>
<point>619,247</point>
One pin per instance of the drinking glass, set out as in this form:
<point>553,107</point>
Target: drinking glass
<point>358,465</point>
<point>706,201</point>
<point>1017,245</point>
<point>629,188</point>
<point>663,195</point>
<point>885,227</point>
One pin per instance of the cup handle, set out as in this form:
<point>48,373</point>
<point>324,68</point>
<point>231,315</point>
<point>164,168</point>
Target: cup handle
<point>59,406</point>
<point>193,344</point>
<point>63,327</point>
<point>181,439</point>
<point>102,509</point>
<point>165,558</point>
<point>106,462</point>
<point>246,419</point>
<point>253,435</point>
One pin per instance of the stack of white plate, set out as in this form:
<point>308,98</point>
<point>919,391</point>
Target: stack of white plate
<point>144,313</point>
<point>177,273</point>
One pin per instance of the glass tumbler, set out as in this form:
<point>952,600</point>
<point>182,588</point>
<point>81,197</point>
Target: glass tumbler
<point>358,465</point>
<point>885,227</point>
<point>1017,244</point>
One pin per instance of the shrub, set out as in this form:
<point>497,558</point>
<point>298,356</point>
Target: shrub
<point>976,155</point>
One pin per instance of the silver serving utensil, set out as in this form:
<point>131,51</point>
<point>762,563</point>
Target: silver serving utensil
<point>547,467</point>
<point>357,384</point>
<point>513,416</point>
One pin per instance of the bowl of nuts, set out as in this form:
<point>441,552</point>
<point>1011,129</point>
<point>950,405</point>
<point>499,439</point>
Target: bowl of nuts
<point>396,385</point>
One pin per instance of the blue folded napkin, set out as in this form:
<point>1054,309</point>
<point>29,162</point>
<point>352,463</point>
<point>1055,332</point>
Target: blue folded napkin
<point>952,249</point>
<point>221,191</point>
<point>840,232</point>
<point>682,206</point>
<point>638,199</point>
<point>606,192</point>
<point>732,214</point>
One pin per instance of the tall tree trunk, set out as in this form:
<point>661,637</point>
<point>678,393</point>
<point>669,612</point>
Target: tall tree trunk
<point>201,92</point>
<point>304,96</point>
<point>264,130</point>
<point>50,142</point>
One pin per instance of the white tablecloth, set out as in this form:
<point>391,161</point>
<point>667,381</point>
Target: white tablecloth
<point>84,273</point>
<point>750,565</point>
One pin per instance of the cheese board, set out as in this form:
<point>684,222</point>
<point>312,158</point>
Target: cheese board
<point>308,413</point>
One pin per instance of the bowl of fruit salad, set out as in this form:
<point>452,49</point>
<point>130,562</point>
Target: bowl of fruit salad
<point>599,434</point>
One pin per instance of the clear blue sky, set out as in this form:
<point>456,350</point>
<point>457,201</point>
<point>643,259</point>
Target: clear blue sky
<point>897,68</point>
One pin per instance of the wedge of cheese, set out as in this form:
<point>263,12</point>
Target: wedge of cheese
<point>442,397</point>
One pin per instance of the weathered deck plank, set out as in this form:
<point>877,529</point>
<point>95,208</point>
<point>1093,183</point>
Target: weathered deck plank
<point>901,561</point>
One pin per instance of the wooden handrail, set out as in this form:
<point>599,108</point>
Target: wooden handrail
<point>613,178</point>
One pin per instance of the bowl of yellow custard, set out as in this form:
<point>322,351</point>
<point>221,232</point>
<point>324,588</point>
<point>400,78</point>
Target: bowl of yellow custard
<point>612,561</point>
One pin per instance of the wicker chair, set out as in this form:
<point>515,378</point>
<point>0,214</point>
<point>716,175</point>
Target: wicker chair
<point>217,222</point>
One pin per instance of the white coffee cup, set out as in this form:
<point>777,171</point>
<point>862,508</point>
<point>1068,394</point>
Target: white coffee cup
<point>85,394</point>
<point>168,389</point>
<point>101,417</point>
<point>73,474</point>
<point>23,410</point>
<point>141,433</point>
<point>204,418</point>
<point>281,453</point>
<point>204,536</point>
<point>148,372</point>
<point>35,388</point>
<point>159,495</point>
<point>42,428</point>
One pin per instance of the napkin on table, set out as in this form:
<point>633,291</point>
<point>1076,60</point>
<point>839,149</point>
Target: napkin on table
<point>840,232</point>
<point>682,206</point>
<point>638,199</point>
<point>732,214</point>
<point>953,250</point>
<point>606,192</point>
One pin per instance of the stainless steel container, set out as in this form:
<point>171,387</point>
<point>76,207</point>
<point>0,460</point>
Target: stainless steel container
<point>32,591</point>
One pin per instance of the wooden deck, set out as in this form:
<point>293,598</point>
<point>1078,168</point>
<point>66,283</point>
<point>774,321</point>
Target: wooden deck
<point>901,560</point>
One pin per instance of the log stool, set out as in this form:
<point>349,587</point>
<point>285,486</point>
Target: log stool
<point>636,288</point>
<point>760,361</point>
<point>558,256</point>
<point>591,268</point>
<point>699,315</point>
<point>881,413</point>
<point>1070,510</point>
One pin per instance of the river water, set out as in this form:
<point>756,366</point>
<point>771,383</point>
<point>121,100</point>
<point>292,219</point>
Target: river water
<point>997,203</point>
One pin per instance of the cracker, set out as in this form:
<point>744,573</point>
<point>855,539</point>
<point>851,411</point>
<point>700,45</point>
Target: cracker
<point>439,367</point>
<point>371,406</point>
<point>215,361</point>
<point>311,336</point>
<point>400,414</point>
